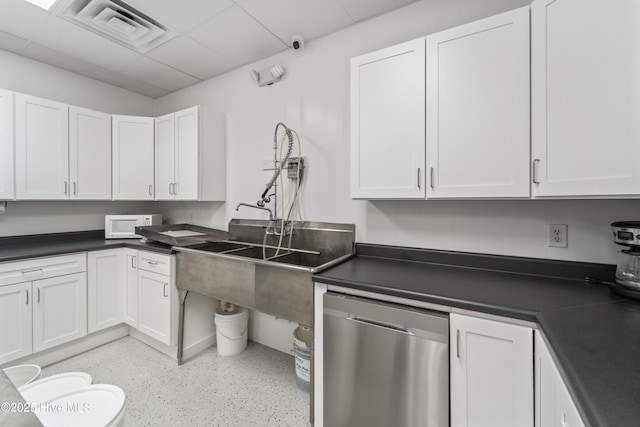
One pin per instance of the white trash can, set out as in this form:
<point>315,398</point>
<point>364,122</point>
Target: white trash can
<point>232,323</point>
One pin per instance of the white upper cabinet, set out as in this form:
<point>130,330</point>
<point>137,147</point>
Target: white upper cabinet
<point>478,109</point>
<point>585,98</point>
<point>388,123</point>
<point>188,168</point>
<point>165,143</point>
<point>42,148</point>
<point>133,159</point>
<point>186,154</point>
<point>89,154</point>
<point>6,146</point>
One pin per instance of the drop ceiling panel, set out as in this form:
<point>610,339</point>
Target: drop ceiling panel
<point>189,56</point>
<point>133,85</point>
<point>20,18</point>
<point>363,9</point>
<point>309,18</point>
<point>157,74</point>
<point>237,36</point>
<point>57,59</point>
<point>181,15</point>
<point>75,41</point>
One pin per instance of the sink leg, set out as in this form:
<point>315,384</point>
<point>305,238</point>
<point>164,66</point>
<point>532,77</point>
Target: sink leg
<point>311,385</point>
<point>183,298</point>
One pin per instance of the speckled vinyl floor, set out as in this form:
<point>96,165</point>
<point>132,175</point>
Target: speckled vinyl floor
<point>254,388</point>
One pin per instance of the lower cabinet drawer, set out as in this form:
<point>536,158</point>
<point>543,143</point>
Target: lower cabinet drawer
<point>41,268</point>
<point>156,263</point>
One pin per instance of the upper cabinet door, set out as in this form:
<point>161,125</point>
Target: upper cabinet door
<point>89,154</point>
<point>6,146</point>
<point>165,157</point>
<point>42,148</point>
<point>585,98</point>
<point>478,109</point>
<point>133,159</point>
<point>187,154</point>
<point>388,123</point>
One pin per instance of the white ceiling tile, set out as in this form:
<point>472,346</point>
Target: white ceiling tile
<point>75,41</point>
<point>181,15</point>
<point>57,59</point>
<point>308,18</point>
<point>189,56</point>
<point>238,37</point>
<point>157,74</point>
<point>133,85</point>
<point>21,19</point>
<point>12,43</point>
<point>363,9</point>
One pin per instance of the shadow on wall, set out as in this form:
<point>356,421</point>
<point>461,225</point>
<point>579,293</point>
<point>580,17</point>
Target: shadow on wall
<point>512,227</point>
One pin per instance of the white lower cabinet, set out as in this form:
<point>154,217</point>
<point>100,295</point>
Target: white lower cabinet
<point>554,406</point>
<point>131,287</point>
<point>491,373</point>
<point>154,314</point>
<point>43,303</point>
<point>105,289</point>
<point>59,310</point>
<point>15,321</point>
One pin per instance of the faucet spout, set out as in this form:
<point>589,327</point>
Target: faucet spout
<point>271,217</point>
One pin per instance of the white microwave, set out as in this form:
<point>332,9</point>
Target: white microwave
<point>124,226</point>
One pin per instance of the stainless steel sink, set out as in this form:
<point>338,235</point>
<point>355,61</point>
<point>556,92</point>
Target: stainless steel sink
<point>236,270</point>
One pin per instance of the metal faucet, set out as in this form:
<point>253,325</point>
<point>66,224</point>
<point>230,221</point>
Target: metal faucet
<point>271,217</point>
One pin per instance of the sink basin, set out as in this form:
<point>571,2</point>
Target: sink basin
<point>220,246</point>
<point>302,259</point>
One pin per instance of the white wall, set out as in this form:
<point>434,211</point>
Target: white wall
<point>313,99</point>
<point>24,75</point>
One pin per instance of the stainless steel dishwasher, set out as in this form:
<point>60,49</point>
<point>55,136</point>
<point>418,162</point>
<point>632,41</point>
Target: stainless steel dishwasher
<point>384,364</point>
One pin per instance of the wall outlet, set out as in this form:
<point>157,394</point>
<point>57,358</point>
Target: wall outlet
<point>558,235</point>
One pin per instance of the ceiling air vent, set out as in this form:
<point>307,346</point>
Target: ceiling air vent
<point>120,23</point>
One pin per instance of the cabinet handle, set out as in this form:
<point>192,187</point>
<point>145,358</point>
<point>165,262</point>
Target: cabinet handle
<point>27,292</point>
<point>431,178</point>
<point>152,263</point>
<point>175,188</point>
<point>66,187</point>
<point>458,343</point>
<point>164,290</point>
<point>536,162</point>
<point>33,270</point>
<point>170,188</point>
<point>38,292</point>
<point>150,190</point>
<point>133,262</point>
<point>419,179</point>
<point>75,188</point>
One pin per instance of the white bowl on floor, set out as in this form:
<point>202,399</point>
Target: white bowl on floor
<point>21,375</point>
<point>97,405</point>
<point>47,388</point>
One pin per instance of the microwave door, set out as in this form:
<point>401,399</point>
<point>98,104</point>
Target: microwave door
<point>123,227</point>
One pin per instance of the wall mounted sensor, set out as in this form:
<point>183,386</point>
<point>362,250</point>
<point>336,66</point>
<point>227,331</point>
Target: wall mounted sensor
<point>297,42</point>
<point>267,77</point>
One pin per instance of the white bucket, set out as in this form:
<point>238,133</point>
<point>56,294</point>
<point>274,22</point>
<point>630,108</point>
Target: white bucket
<point>231,329</point>
<point>303,361</point>
<point>21,375</point>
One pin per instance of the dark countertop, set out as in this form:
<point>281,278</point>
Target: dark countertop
<point>592,332</point>
<point>22,247</point>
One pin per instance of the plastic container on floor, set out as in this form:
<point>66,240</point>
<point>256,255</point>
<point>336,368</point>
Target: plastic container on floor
<point>231,329</point>
<point>21,375</point>
<point>303,360</point>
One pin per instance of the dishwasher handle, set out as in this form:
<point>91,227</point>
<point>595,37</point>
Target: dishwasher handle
<point>379,324</point>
